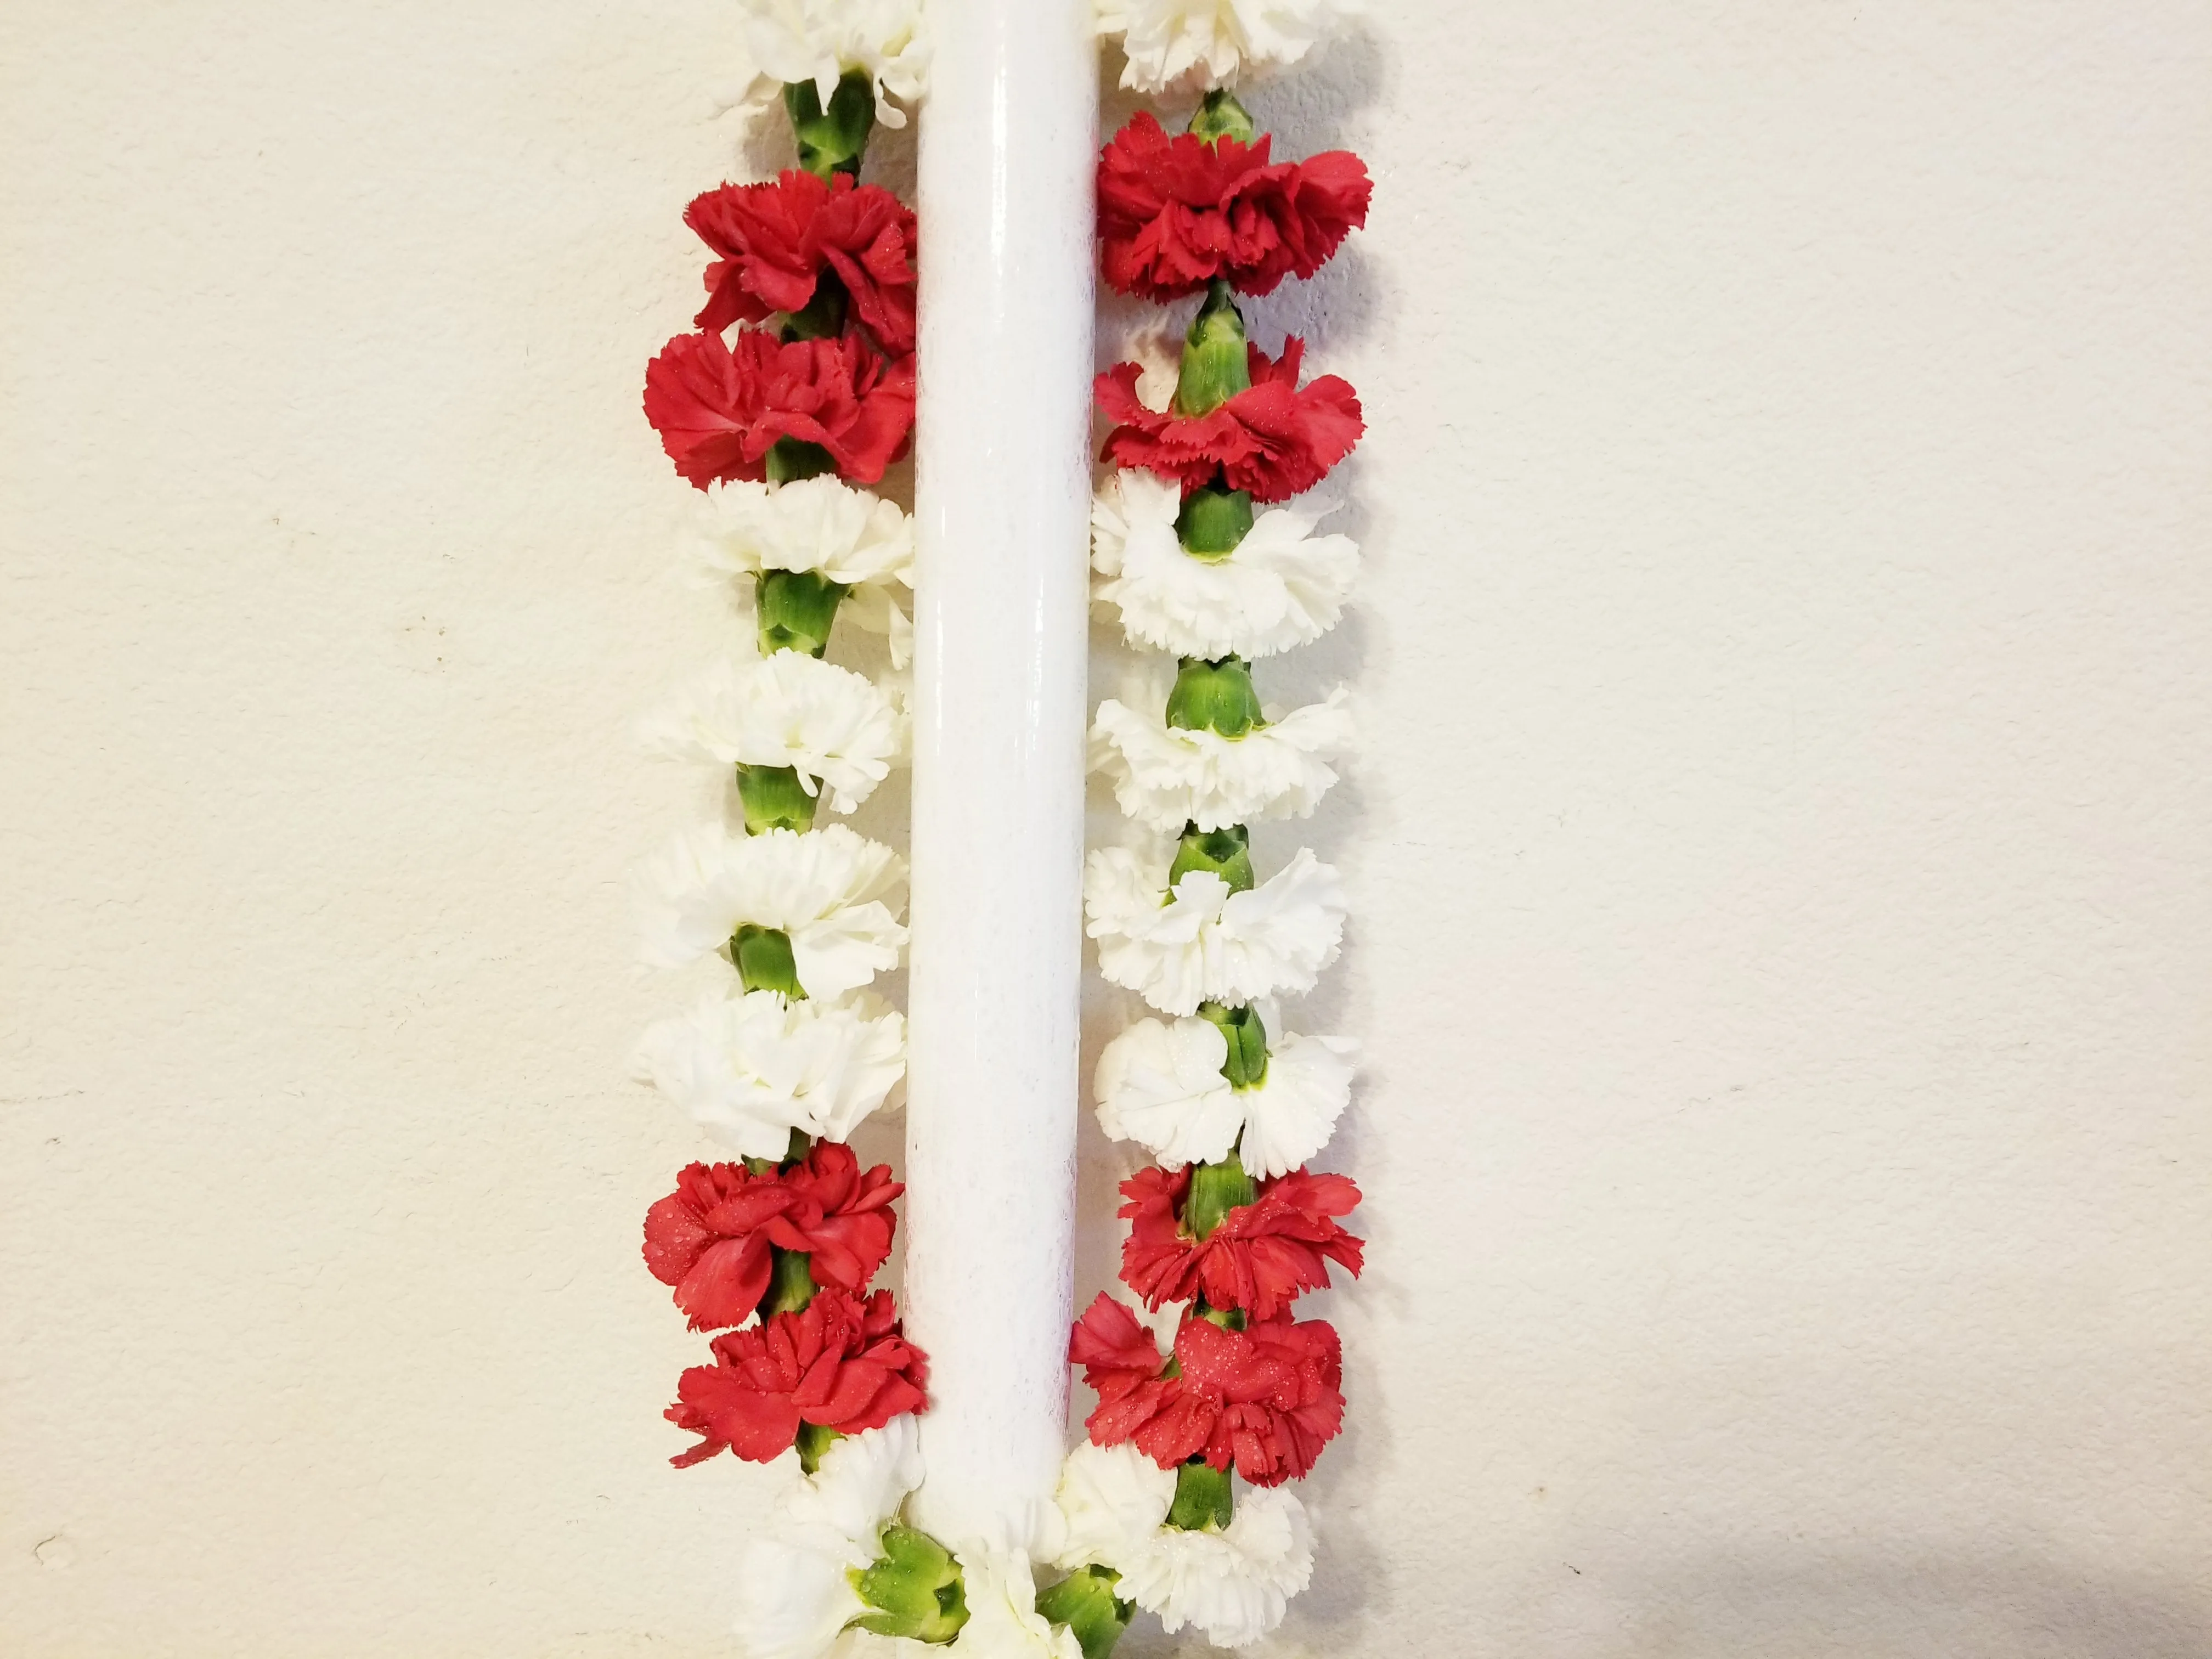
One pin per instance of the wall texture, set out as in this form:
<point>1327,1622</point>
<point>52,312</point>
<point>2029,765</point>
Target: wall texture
<point>1784,909</point>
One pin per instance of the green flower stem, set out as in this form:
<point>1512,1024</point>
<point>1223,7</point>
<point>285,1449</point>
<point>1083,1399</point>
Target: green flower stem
<point>916,1588</point>
<point>792,458</point>
<point>794,1152</point>
<point>1247,1065</point>
<point>1202,1498</point>
<point>1220,116</point>
<point>832,140</point>
<point>790,1282</point>
<point>1215,1190</point>
<point>813,1440</point>
<point>1229,1319</point>
<point>1215,368</point>
<point>763,956</point>
<point>1227,853</point>
<point>1214,521</point>
<point>822,317</point>
<point>774,798</point>
<point>1217,695</point>
<point>1084,1601</point>
<point>797,609</point>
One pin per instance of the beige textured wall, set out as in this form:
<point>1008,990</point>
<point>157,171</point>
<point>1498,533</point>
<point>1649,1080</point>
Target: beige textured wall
<point>1781,855</point>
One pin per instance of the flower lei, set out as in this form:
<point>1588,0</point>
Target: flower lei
<point>1204,542</point>
<point>797,385</point>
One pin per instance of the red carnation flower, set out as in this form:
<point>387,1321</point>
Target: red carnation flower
<point>1175,213</point>
<point>776,239</point>
<point>838,1363</point>
<point>1267,1398</point>
<point>710,1237</point>
<point>1261,1256</point>
<point>1275,438</point>
<point>719,411</point>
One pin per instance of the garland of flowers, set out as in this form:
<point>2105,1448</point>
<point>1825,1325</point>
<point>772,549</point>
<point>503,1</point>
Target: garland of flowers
<point>797,385</point>
<point>1205,542</point>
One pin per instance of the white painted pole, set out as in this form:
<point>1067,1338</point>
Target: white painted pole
<point>1008,141</point>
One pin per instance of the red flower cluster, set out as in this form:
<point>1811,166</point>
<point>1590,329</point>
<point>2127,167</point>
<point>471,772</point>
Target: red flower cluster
<point>1174,213</point>
<point>839,1362</point>
<point>719,411</point>
<point>1275,438</point>
<point>1260,1258</point>
<point>710,1238</point>
<point>1267,1398</point>
<point>776,240</point>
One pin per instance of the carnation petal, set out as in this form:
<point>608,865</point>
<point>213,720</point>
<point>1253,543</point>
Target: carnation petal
<point>1204,942</point>
<point>1282,586</point>
<point>839,730</point>
<point>1177,45</point>
<point>827,886</point>
<point>1166,776</point>
<point>749,1069</point>
<point>1161,1086</point>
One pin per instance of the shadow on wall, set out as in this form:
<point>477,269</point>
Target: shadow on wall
<point>1920,1605</point>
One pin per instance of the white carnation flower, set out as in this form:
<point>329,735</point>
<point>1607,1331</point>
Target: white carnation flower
<point>822,524</point>
<point>1174,44</point>
<point>1161,1085</point>
<point>794,1591</point>
<point>1003,1622</point>
<point>1165,777</point>
<point>1282,586</point>
<point>1203,942</point>
<point>818,40</point>
<point>825,890</point>
<point>1233,1584</point>
<point>838,729</point>
<point>749,1069</point>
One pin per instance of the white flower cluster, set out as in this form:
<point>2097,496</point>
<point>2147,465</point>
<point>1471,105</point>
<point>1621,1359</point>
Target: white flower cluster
<point>1201,942</point>
<point>794,1580</point>
<point>1161,1086</point>
<point>1175,46</point>
<point>850,536</point>
<point>818,40</point>
<point>1185,920</point>
<point>751,1067</point>
<point>1165,777</point>
<point>1232,1584</point>
<point>838,730</point>
<point>1282,586</point>
<point>794,1588</point>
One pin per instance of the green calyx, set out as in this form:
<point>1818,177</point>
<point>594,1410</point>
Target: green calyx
<point>1214,521</point>
<point>1227,853</point>
<point>796,609</point>
<point>794,1152</point>
<point>1246,1067</point>
<point>813,1440</point>
<point>822,318</point>
<point>763,956</point>
<point>791,458</point>
<point>831,140</point>
<point>1215,1190</point>
<point>774,798</point>
<point>1215,696</point>
<point>916,1590</point>
<point>790,1283</point>
<point>1220,116</point>
<point>1202,1498</point>
<point>1084,1601</point>
<point>1215,368</point>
